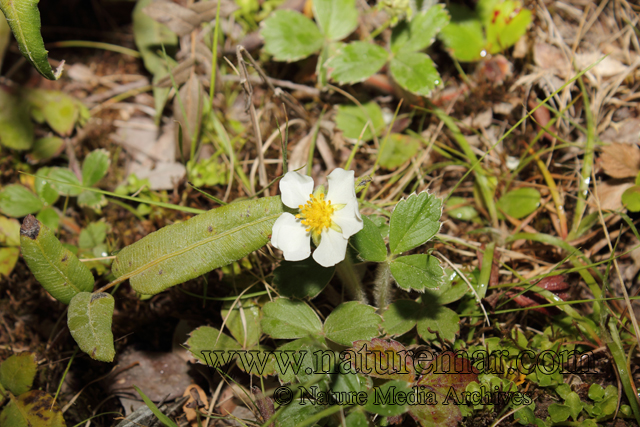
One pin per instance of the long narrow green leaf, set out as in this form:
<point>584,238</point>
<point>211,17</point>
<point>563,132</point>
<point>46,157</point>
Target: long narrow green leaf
<point>89,322</point>
<point>57,269</point>
<point>186,250</point>
<point>24,19</point>
<point>162,417</point>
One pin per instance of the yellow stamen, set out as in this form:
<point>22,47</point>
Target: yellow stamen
<point>317,214</point>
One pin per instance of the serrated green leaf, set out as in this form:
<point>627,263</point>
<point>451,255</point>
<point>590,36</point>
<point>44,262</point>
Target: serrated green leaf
<point>289,319</point>
<point>16,128</point>
<point>420,32</point>
<point>95,167</point>
<point>208,339</point>
<point>463,36</point>
<point>400,317</point>
<point>398,150</point>
<point>35,408</point>
<point>356,62</point>
<point>61,177</point>
<point>57,269</point>
<point>24,19</point>
<point>186,250</point>
<point>442,320</point>
<point>336,18</point>
<point>44,190</point>
<point>8,260</point>
<point>89,320</point>
<point>61,111</point>
<point>414,222</point>
<point>290,36</point>
<point>244,323</point>
<point>94,234</point>
<point>295,360</point>
<point>17,201</point>
<point>415,72</point>
<point>351,120</point>
<point>298,411</point>
<point>386,404</point>
<point>92,199</point>
<point>418,272</point>
<point>341,328</point>
<point>45,148</point>
<point>49,217</point>
<point>18,371</point>
<point>301,279</point>
<point>520,202</point>
<point>368,242</point>
<point>575,404</point>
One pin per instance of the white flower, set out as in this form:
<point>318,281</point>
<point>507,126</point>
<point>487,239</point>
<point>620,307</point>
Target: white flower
<point>328,222</point>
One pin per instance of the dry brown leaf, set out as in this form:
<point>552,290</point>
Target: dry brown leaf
<point>609,196</point>
<point>620,160</point>
<point>197,399</point>
<point>183,20</point>
<point>552,59</point>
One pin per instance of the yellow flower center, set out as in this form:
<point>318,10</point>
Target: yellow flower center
<point>316,214</point>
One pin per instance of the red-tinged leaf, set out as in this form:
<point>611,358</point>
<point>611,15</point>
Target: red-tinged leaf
<point>542,116</point>
<point>446,377</point>
<point>447,371</point>
<point>430,415</point>
<point>553,284</point>
<point>383,359</point>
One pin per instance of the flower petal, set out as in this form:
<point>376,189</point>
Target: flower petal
<point>289,235</point>
<point>295,189</point>
<point>348,219</point>
<point>341,187</point>
<point>332,248</point>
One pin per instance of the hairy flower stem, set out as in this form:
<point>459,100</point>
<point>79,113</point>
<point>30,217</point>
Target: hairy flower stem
<point>383,292</point>
<point>350,280</point>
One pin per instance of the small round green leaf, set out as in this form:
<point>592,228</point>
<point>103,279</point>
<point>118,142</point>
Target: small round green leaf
<point>17,201</point>
<point>559,413</point>
<point>414,221</point>
<point>352,321</point>
<point>356,419</point>
<point>417,272</point>
<point>290,36</point>
<point>45,148</point>
<point>8,259</point>
<point>630,198</point>
<point>289,319</point>
<point>18,371</point>
<point>89,320</point>
<point>415,72</point>
<point>301,279</point>
<point>459,208</point>
<point>519,203</point>
<point>356,62</point>
<point>369,243</point>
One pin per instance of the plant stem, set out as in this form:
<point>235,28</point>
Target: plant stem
<point>383,292</point>
<point>349,278</point>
